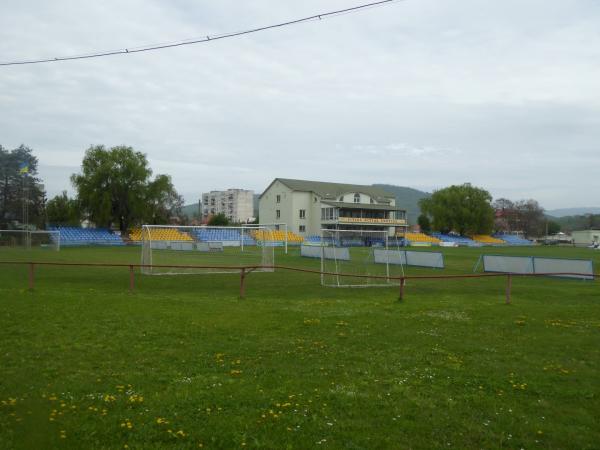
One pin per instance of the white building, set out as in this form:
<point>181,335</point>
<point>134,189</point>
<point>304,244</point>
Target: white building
<point>584,238</point>
<point>236,204</point>
<point>309,206</point>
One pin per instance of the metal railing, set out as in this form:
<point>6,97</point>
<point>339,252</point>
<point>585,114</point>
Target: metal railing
<point>245,270</point>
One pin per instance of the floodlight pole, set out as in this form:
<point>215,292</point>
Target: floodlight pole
<point>508,288</point>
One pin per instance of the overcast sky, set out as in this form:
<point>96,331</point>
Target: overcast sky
<point>420,93</point>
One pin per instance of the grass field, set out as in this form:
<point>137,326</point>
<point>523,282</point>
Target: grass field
<point>184,363</point>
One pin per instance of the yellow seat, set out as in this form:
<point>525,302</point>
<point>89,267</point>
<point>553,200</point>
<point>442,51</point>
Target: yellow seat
<point>421,237</point>
<point>487,239</point>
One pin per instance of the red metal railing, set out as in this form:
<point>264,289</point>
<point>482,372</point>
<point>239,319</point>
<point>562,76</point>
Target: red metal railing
<point>245,270</point>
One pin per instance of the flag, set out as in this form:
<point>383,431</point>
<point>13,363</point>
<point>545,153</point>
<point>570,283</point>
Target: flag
<point>23,168</point>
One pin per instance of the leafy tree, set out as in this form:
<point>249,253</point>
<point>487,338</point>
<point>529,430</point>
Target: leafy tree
<point>465,209</point>
<point>115,188</point>
<point>553,227</point>
<point>531,217</point>
<point>218,220</point>
<point>163,202</point>
<point>62,210</point>
<point>17,183</point>
<point>424,223</point>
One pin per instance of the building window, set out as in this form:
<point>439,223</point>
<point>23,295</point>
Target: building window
<point>356,198</point>
<point>302,214</point>
<point>302,228</point>
<point>328,213</point>
<point>278,198</point>
<point>278,214</point>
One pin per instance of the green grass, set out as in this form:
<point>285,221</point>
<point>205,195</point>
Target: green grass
<point>294,364</point>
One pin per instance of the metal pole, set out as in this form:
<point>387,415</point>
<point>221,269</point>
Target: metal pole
<point>131,279</point>
<point>242,278</point>
<point>31,277</point>
<point>508,288</point>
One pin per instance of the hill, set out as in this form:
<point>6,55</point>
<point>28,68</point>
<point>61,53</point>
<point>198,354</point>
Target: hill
<point>577,222</point>
<point>407,198</point>
<point>563,212</point>
<point>190,210</point>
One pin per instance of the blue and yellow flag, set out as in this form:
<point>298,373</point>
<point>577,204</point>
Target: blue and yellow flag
<point>23,167</point>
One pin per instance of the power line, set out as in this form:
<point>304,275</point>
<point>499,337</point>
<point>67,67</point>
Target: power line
<point>202,40</point>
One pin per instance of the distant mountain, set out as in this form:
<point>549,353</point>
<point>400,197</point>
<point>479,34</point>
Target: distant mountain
<point>407,198</point>
<point>190,210</point>
<point>562,212</point>
<point>577,222</point>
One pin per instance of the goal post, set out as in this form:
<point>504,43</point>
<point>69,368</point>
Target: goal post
<point>364,253</point>
<point>226,249</point>
<point>27,239</point>
<point>278,231</point>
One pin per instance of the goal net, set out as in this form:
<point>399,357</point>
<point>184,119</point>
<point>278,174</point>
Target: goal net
<point>360,252</point>
<point>28,240</point>
<point>218,249</point>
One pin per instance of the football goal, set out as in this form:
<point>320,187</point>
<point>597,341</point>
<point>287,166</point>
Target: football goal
<point>28,240</point>
<point>277,233</point>
<point>226,248</point>
<point>359,252</point>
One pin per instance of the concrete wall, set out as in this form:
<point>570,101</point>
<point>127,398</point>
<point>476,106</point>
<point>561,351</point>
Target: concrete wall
<point>585,237</point>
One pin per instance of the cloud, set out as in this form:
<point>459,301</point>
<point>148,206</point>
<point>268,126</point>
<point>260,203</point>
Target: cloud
<point>420,93</point>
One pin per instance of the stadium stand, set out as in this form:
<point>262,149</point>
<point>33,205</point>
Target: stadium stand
<point>421,238</point>
<point>459,240</point>
<point>512,239</point>
<point>278,236</point>
<point>86,236</point>
<point>487,239</point>
<point>160,234</point>
<point>221,235</point>
<point>313,239</point>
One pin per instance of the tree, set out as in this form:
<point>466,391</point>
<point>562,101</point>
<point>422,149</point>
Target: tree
<point>465,209</point>
<point>531,217</point>
<point>218,220</point>
<point>19,181</point>
<point>62,210</point>
<point>553,227</point>
<point>163,202</point>
<point>115,188</point>
<point>424,223</point>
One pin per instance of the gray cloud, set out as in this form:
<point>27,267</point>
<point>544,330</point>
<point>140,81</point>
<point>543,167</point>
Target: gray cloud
<point>420,93</point>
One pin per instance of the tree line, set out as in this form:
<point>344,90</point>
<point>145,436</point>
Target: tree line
<point>115,189</point>
<point>469,210</point>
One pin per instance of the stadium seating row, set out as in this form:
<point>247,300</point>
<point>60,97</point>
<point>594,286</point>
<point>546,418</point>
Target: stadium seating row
<point>86,236</point>
<point>277,236</point>
<point>160,234</point>
<point>218,235</point>
<point>458,240</point>
<point>512,239</point>
<point>102,236</point>
<point>488,240</point>
<point>421,237</point>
